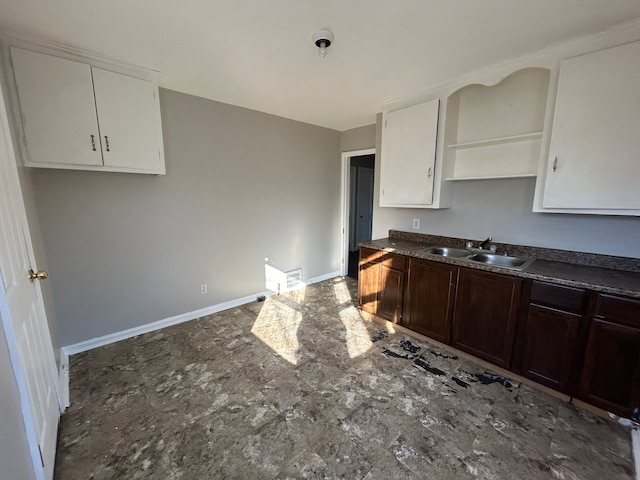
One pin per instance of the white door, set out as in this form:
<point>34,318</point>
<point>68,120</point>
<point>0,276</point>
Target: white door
<point>23,316</point>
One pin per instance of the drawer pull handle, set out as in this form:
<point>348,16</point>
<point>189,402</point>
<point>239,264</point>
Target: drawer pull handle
<point>93,142</point>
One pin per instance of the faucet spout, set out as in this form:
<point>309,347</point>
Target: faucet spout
<point>484,243</point>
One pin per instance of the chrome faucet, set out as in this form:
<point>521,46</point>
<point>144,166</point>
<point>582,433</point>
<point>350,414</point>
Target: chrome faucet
<point>483,244</point>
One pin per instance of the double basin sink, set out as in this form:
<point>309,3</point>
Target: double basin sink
<point>486,258</point>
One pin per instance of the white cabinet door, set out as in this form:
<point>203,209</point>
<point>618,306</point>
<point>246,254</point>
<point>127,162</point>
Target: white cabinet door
<point>408,156</point>
<point>58,109</point>
<point>129,119</point>
<point>594,156</point>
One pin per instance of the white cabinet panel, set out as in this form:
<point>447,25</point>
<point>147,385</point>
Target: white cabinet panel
<point>408,156</point>
<point>58,109</point>
<point>594,160</point>
<point>127,108</point>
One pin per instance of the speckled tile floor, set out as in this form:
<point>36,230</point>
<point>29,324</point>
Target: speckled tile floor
<point>301,386</point>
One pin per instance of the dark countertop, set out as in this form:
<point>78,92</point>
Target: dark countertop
<point>607,280</point>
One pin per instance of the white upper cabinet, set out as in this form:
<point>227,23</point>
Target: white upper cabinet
<point>129,120</point>
<point>408,154</point>
<point>58,109</point>
<point>78,116</point>
<point>593,164</point>
<point>496,131</point>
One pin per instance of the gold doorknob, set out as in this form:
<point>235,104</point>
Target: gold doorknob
<point>39,275</point>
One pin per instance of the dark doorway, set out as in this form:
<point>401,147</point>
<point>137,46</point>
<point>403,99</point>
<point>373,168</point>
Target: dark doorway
<point>361,175</point>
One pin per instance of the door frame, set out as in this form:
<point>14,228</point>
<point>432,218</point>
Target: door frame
<point>343,259</point>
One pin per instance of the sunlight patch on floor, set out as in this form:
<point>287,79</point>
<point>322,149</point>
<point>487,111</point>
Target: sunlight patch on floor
<point>357,336</point>
<point>277,326</point>
<point>298,295</point>
<point>390,328</point>
<point>341,291</point>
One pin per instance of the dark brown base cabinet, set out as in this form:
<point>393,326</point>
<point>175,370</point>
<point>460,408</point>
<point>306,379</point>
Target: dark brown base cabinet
<point>391,292</point>
<point>611,372</point>
<point>431,288</point>
<point>551,334</point>
<point>485,316</point>
<point>381,279</point>
<point>368,280</point>
<point>579,342</point>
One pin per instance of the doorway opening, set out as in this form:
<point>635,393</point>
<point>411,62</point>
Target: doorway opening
<point>358,169</point>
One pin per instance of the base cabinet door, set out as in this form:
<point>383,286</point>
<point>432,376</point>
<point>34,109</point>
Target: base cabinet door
<point>368,280</point>
<point>551,336</point>
<point>611,373</point>
<point>429,300</point>
<point>381,283</point>
<point>391,293</point>
<point>553,344</point>
<point>485,315</point>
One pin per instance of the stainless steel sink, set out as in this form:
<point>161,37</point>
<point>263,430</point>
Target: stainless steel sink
<point>502,260</point>
<point>479,256</point>
<point>448,252</point>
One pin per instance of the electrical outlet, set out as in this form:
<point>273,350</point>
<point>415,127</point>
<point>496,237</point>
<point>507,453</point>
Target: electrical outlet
<point>416,223</point>
<point>203,288</point>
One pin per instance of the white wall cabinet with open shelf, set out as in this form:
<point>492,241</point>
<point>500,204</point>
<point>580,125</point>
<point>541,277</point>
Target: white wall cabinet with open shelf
<point>78,116</point>
<point>496,131</point>
<point>568,116</point>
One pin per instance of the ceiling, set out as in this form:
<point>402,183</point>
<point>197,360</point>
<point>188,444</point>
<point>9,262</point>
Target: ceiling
<point>259,54</point>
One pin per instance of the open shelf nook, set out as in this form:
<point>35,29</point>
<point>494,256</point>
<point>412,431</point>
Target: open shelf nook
<point>496,131</point>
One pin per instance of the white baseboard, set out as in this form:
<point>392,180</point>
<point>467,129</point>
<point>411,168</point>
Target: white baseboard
<point>322,278</point>
<point>167,322</point>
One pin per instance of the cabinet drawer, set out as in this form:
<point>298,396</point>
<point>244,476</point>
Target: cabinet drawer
<point>619,310</point>
<point>369,255</point>
<point>393,260</point>
<point>556,296</point>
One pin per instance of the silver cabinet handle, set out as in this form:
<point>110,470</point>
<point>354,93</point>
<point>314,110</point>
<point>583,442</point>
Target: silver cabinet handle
<point>106,143</point>
<point>93,142</point>
<point>555,164</point>
<point>429,173</point>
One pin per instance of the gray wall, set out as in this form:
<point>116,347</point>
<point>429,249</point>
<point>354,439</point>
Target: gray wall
<point>502,209</point>
<point>14,451</point>
<point>241,186</point>
<point>359,138</point>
